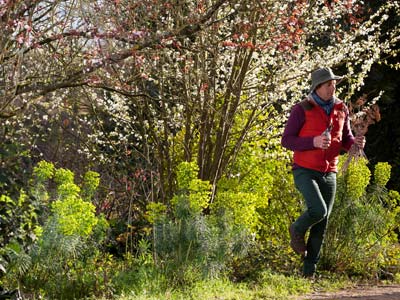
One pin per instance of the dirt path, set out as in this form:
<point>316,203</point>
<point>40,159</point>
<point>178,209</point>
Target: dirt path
<point>380,292</point>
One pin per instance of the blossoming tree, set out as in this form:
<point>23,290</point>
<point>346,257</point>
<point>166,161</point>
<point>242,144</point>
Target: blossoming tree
<point>147,84</point>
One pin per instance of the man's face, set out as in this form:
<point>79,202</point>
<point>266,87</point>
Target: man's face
<point>326,90</point>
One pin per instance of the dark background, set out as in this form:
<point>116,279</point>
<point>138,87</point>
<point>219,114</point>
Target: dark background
<point>383,138</point>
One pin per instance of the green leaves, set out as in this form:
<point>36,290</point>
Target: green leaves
<point>18,219</point>
<point>363,222</point>
<point>91,181</point>
<point>382,173</point>
<point>19,230</point>
<point>43,171</point>
<point>68,238</point>
<point>357,178</point>
<point>74,216</point>
<point>155,212</point>
<point>198,191</point>
<point>189,243</point>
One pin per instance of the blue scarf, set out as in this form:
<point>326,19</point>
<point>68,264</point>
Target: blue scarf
<point>325,105</point>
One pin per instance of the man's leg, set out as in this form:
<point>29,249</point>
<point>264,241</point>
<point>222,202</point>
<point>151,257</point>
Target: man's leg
<point>307,182</point>
<point>327,186</point>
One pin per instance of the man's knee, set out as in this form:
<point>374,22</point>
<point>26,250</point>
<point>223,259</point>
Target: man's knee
<point>318,215</point>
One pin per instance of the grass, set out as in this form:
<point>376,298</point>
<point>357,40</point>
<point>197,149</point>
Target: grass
<point>268,286</point>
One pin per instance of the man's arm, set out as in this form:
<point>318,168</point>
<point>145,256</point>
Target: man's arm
<point>290,138</point>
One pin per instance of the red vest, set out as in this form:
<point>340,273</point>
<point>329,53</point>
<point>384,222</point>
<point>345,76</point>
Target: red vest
<point>316,121</point>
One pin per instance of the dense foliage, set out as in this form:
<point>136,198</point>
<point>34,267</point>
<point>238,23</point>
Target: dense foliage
<point>177,109</point>
<point>362,235</point>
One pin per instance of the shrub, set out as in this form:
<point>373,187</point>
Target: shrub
<point>65,260</point>
<point>246,189</point>
<point>280,207</point>
<point>361,230</point>
<point>19,230</point>
<point>189,245</point>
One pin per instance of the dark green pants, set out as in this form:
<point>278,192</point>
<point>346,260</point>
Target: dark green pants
<point>318,190</point>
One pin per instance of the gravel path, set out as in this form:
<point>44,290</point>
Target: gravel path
<point>380,292</point>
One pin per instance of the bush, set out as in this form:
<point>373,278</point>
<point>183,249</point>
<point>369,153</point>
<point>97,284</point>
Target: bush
<point>19,229</point>
<point>188,245</point>
<point>361,235</point>
<point>65,261</point>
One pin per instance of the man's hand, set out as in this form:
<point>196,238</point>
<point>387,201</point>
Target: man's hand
<point>360,141</point>
<point>322,141</point>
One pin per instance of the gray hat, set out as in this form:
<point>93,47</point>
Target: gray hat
<point>322,75</point>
